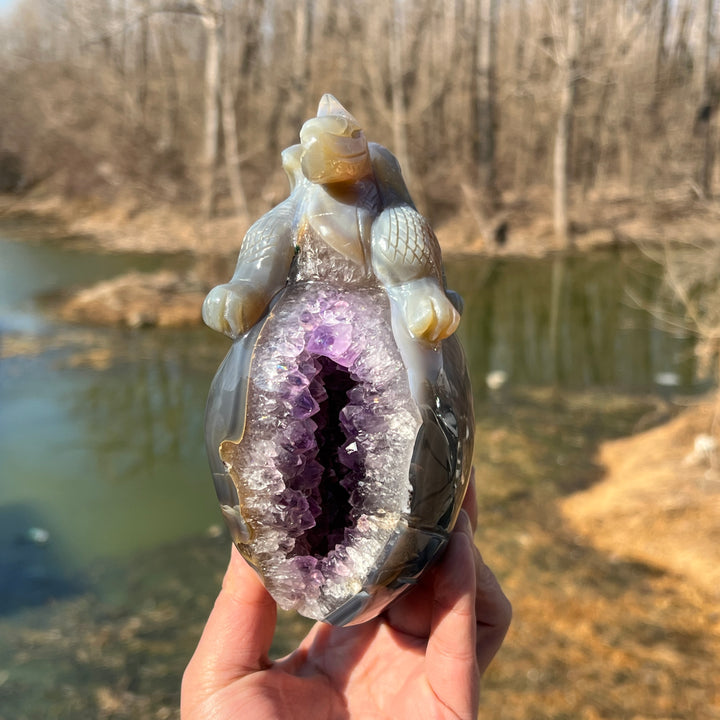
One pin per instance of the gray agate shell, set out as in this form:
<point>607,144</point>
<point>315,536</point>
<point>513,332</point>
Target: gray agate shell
<point>339,427</point>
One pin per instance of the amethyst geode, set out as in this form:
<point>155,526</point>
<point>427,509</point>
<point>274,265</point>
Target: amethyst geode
<point>339,427</point>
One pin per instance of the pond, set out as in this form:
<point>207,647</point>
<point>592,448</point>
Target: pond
<point>571,321</point>
<point>101,430</point>
<point>103,475</point>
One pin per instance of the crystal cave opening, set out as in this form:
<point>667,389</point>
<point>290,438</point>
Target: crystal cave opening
<point>319,490</point>
<point>320,453</point>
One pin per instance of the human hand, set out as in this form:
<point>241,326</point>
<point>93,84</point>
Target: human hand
<point>422,658</point>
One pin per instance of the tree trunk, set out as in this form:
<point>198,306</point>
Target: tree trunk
<point>660,56</point>
<point>141,65</point>
<point>397,92</point>
<point>707,109</point>
<point>484,91</point>
<point>170,109</point>
<point>232,155</point>
<point>211,22</point>
<point>561,155</point>
<point>660,52</point>
<point>236,30</point>
<point>301,64</point>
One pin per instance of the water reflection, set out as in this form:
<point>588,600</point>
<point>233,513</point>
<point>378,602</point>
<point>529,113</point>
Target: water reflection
<point>140,412</point>
<point>141,421</point>
<point>30,569</point>
<point>573,322</point>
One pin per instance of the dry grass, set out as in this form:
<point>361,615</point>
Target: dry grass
<point>659,502</point>
<point>600,630</point>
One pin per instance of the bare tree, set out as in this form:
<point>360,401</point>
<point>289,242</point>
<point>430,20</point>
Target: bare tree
<point>398,33</point>
<point>661,50</point>
<point>708,103</point>
<point>235,39</point>
<point>568,83</point>
<point>111,95</point>
<point>300,75</point>
<point>484,92</point>
<point>211,19</point>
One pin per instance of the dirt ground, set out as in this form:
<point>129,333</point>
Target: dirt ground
<point>606,624</point>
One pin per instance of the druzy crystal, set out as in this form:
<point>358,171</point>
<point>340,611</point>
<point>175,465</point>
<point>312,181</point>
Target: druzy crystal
<point>322,469</point>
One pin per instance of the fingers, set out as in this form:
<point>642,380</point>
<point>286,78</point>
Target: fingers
<point>470,619</point>
<point>493,612</point>
<point>492,608</point>
<point>237,636</point>
<point>410,614</point>
<point>451,665</point>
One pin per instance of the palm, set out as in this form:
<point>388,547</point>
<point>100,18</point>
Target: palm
<point>358,678</point>
<point>422,658</point>
<point>373,670</point>
<point>381,670</point>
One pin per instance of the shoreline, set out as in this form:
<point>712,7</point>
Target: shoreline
<point>603,220</point>
<point>174,299</point>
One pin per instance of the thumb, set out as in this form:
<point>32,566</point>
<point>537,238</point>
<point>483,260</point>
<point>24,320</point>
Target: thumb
<point>450,658</point>
<point>237,637</point>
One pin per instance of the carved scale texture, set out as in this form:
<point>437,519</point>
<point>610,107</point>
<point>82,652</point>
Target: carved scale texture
<point>261,239</point>
<point>407,243</point>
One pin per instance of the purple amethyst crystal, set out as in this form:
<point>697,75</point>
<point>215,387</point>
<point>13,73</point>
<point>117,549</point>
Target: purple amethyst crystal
<point>323,443</point>
<point>329,415</point>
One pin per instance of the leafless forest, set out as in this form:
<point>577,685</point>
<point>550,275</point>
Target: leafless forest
<point>190,101</point>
